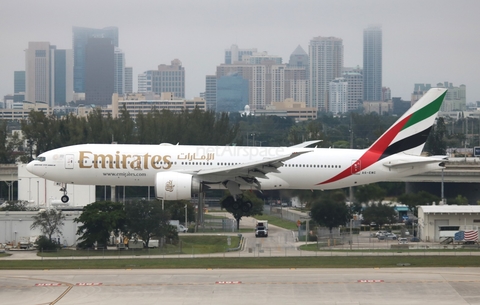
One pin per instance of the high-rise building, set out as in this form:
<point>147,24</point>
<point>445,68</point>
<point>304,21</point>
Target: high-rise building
<point>62,91</point>
<point>338,99</point>
<point>354,79</point>
<point>48,74</point>
<point>296,76</point>
<point>128,80</point>
<point>119,72</point>
<point>211,92</point>
<point>326,62</point>
<point>232,93</point>
<point>99,68</point>
<point>168,78</point>
<point>234,54</point>
<point>19,86</point>
<point>80,39</point>
<point>372,63</point>
<point>455,98</point>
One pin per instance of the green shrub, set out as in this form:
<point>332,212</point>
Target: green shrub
<point>45,244</point>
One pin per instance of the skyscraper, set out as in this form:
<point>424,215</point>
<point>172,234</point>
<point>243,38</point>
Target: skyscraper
<point>128,80</point>
<point>119,73</point>
<point>211,92</point>
<point>326,62</point>
<point>48,74</point>
<point>372,63</point>
<point>99,68</point>
<point>168,78</point>
<point>80,39</point>
<point>234,54</point>
<point>19,86</point>
<point>338,100</point>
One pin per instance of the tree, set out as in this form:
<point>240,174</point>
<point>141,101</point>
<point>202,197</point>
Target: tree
<point>98,220</point>
<point>331,210</point>
<point>146,219</point>
<point>412,200</point>
<point>49,222</point>
<point>247,204</point>
<point>459,200</point>
<point>176,210</point>
<point>380,214</point>
<point>369,192</point>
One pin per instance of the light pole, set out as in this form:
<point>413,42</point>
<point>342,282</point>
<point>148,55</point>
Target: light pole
<point>186,216</point>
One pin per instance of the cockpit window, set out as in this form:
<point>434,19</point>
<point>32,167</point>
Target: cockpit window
<point>41,159</point>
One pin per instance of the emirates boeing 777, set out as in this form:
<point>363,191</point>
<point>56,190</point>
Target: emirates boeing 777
<point>178,171</point>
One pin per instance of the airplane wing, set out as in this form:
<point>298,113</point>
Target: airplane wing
<point>305,144</point>
<point>408,163</point>
<point>232,176</point>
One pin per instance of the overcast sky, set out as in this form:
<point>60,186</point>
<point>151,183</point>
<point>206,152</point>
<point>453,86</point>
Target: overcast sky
<point>424,41</point>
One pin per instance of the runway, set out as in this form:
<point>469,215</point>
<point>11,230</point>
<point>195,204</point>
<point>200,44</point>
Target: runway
<point>242,286</point>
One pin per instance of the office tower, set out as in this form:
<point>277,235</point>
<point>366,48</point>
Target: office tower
<point>62,90</point>
<point>354,78</point>
<point>211,92</point>
<point>48,74</point>
<point>234,54</point>
<point>80,39</point>
<point>326,62</point>
<point>232,93</point>
<point>99,67</point>
<point>299,58</point>
<point>37,72</point>
<point>128,80</point>
<point>119,72</point>
<point>338,99</point>
<point>168,78</point>
<point>296,76</point>
<point>19,86</point>
<point>372,64</point>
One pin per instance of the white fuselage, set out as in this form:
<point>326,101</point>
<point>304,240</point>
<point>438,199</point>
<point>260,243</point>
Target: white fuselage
<point>137,165</point>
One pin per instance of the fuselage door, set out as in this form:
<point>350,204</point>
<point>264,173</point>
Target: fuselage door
<point>69,161</point>
<point>356,167</point>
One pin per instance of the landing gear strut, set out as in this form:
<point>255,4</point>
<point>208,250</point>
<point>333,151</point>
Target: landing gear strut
<point>64,197</point>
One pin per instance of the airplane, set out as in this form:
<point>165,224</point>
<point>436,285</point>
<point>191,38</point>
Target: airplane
<point>180,171</point>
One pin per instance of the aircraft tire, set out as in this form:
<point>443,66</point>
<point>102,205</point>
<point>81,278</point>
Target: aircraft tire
<point>65,198</point>
<point>246,206</point>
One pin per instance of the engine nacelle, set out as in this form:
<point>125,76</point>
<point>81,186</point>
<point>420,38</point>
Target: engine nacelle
<point>175,186</point>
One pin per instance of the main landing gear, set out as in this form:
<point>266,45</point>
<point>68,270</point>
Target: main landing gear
<point>64,197</point>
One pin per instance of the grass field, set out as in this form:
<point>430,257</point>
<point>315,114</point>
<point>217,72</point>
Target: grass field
<point>187,245</point>
<point>245,263</point>
<point>279,222</point>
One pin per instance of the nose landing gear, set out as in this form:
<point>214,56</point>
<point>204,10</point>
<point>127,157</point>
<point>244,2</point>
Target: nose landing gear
<point>64,197</point>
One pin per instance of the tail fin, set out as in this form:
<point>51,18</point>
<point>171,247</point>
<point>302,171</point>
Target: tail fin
<point>410,131</point>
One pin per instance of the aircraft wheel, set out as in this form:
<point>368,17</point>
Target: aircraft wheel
<point>64,198</point>
<point>247,206</point>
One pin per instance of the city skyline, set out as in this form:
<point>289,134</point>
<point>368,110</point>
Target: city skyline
<point>422,41</point>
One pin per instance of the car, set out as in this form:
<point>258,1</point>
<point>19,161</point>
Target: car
<point>391,236</point>
<point>403,240</point>
<point>381,232</point>
<point>414,239</point>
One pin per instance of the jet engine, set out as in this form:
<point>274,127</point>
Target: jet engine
<point>175,186</point>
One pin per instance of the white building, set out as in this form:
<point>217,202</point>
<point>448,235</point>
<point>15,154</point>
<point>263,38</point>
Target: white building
<point>338,100</point>
<point>436,221</point>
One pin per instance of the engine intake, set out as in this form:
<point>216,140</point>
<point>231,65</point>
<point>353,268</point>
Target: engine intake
<point>175,186</point>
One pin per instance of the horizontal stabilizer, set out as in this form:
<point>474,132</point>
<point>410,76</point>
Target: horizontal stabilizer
<point>408,163</point>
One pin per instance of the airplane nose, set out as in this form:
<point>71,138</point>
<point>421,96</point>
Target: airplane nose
<point>30,167</point>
